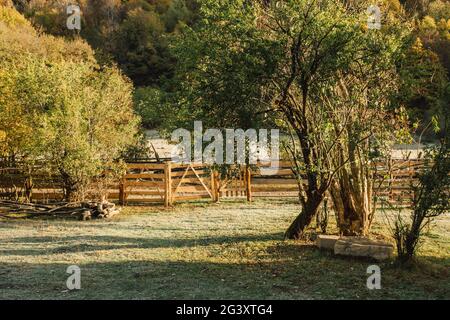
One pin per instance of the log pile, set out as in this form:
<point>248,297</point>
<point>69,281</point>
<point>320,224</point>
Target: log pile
<point>99,210</point>
<point>83,210</point>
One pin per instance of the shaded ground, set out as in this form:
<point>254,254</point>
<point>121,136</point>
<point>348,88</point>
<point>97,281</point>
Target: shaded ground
<point>202,251</point>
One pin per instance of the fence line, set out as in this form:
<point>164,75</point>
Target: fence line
<point>169,183</point>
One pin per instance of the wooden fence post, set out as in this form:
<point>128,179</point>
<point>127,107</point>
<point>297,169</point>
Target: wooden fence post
<point>215,185</point>
<point>122,192</point>
<point>248,183</point>
<point>29,189</point>
<point>168,184</point>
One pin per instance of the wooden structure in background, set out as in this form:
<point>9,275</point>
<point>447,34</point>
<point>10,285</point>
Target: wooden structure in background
<point>168,183</point>
<point>45,186</point>
<point>393,182</point>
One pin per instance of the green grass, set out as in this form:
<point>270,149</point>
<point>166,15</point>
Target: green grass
<point>203,251</point>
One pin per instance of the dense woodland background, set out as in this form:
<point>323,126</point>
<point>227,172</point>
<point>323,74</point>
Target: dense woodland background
<point>137,35</point>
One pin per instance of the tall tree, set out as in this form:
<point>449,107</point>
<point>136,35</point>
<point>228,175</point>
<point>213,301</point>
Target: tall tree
<point>59,108</point>
<point>313,64</point>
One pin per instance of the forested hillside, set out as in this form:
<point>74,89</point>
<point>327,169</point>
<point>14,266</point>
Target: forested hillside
<point>137,35</point>
<point>130,33</point>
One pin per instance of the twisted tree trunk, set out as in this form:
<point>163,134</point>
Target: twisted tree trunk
<point>349,220</point>
<point>309,211</point>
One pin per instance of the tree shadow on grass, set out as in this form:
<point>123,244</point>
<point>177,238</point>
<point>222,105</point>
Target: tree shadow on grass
<point>144,280</point>
<point>272,269</point>
<point>308,276</point>
<point>86,243</point>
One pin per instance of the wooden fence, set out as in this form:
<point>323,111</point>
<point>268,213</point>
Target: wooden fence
<point>44,187</point>
<point>168,183</point>
<point>393,182</point>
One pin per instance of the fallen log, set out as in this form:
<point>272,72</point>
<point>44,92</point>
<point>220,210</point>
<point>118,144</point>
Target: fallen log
<point>83,210</point>
<point>24,204</point>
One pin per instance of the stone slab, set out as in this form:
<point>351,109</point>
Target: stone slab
<point>363,247</point>
<point>326,241</point>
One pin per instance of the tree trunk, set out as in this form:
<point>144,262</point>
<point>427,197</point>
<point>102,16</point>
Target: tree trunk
<point>352,218</point>
<point>348,220</point>
<point>72,189</point>
<point>28,189</point>
<point>297,228</point>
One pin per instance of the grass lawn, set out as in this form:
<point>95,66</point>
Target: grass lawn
<point>230,250</point>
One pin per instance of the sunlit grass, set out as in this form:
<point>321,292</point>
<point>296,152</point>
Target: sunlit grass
<point>231,250</point>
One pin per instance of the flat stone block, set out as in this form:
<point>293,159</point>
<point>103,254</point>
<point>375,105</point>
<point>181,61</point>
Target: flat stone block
<point>326,241</point>
<point>363,247</point>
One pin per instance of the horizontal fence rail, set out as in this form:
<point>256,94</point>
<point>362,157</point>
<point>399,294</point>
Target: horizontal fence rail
<point>169,183</point>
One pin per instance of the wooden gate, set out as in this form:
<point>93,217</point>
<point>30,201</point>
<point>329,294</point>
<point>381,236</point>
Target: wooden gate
<point>166,183</point>
<point>143,182</point>
<point>191,182</point>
